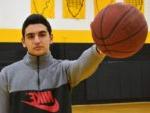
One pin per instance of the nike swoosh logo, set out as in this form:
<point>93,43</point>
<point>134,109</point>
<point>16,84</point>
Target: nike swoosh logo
<point>53,108</point>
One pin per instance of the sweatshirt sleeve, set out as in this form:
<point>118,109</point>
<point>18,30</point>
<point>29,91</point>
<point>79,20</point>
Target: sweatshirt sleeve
<point>84,66</point>
<point>4,95</point>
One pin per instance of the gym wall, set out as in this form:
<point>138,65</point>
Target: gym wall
<point>115,80</point>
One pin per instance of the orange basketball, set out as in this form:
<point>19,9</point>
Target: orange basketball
<point>119,30</point>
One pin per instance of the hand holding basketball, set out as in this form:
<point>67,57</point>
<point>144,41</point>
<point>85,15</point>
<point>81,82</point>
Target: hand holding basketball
<point>119,30</point>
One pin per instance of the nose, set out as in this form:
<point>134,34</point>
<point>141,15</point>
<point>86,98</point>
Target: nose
<point>36,40</point>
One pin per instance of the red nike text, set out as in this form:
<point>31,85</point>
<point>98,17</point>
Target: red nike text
<point>40,99</point>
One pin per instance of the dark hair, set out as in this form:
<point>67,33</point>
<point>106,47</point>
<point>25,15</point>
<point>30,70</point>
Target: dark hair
<point>36,19</point>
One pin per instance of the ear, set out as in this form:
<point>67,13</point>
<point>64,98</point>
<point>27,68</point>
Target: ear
<point>51,39</point>
<point>23,42</point>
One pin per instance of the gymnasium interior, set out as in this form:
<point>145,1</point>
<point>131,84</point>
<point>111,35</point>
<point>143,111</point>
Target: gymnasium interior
<point>118,85</point>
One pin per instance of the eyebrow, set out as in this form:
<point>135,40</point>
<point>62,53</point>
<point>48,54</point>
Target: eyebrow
<point>43,31</point>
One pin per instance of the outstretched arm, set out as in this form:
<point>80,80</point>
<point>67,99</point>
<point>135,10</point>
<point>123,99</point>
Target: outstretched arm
<point>85,65</point>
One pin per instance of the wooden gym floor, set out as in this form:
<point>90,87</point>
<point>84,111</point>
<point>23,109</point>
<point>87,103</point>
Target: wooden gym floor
<point>131,107</point>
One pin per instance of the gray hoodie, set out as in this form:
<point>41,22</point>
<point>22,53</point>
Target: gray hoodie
<point>42,84</point>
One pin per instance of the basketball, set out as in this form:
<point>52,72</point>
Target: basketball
<point>119,30</point>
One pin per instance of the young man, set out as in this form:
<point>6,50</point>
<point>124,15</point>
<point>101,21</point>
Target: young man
<point>39,83</point>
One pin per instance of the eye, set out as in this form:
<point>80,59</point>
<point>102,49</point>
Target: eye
<point>43,34</point>
<point>30,36</point>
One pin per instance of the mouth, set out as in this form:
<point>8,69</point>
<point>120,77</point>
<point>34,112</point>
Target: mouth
<point>38,47</point>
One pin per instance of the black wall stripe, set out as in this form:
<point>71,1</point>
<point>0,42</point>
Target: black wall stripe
<point>115,79</point>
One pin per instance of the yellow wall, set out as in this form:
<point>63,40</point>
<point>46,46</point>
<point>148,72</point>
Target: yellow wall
<point>60,36</point>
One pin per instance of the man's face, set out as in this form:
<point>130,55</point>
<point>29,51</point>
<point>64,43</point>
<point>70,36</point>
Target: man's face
<point>37,39</point>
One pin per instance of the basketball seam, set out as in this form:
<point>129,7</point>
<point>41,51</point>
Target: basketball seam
<point>138,31</point>
<point>117,51</point>
<point>101,30</point>
<point>103,43</point>
<point>117,23</point>
<point>94,33</point>
<point>129,37</point>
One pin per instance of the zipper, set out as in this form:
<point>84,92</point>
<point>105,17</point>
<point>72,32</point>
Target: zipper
<point>38,71</point>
